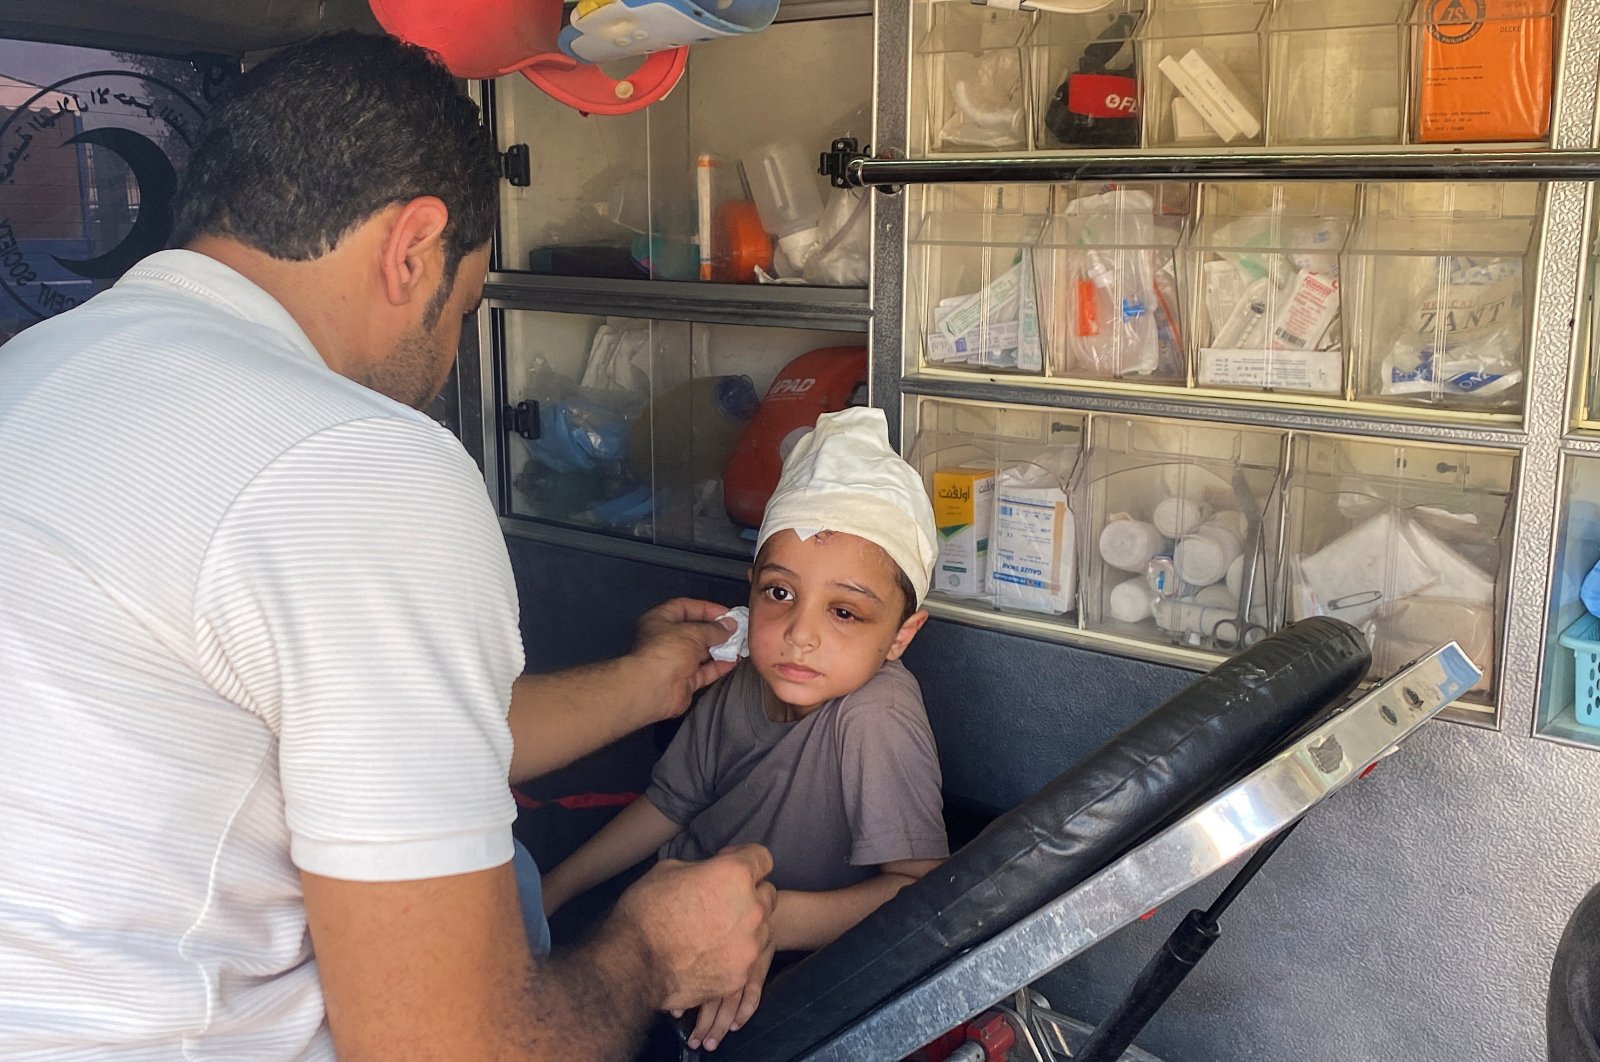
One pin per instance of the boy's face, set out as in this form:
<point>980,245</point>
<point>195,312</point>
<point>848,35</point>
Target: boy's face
<point>824,616</point>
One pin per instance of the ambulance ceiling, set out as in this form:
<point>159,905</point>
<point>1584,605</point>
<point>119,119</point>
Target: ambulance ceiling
<point>180,27</point>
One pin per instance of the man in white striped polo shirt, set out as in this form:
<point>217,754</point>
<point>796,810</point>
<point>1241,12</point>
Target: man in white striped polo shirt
<point>258,633</point>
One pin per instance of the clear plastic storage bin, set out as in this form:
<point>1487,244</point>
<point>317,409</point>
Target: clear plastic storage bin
<point>1204,79</point>
<point>614,202</point>
<point>1001,480</point>
<point>638,420</point>
<point>1181,545</point>
<point>620,198</point>
<point>1086,79</point>
<point>1337,72</point>
<point>1406,541</point>
<point>1264,309</point>
<point>1438,278</point>
<point>1108,281</point>
<point>976,305</point>
<point>970,83</point>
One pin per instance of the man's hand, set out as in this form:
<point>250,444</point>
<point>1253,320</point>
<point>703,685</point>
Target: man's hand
<point>673,645</point>
<point>439,969</point>
<point>705,926</point>
<point>558,717</point>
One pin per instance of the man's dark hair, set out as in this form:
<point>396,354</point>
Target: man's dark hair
<point>321,136</point>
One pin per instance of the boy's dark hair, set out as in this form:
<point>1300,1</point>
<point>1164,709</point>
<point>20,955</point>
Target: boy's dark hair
<point>907,592</point>
<point>321,136</point>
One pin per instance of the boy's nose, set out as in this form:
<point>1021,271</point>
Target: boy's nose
<point>803,630</point>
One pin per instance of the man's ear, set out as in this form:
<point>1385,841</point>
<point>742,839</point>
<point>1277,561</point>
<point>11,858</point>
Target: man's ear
<point>908,630</point>
<point>413,248</point>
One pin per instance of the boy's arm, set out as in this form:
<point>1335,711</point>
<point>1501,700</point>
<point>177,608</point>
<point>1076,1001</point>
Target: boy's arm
<point>805,921</point>
<point>680,787</point>
<point>637,831</point>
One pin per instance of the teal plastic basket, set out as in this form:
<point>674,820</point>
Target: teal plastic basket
<point>1583,638</point>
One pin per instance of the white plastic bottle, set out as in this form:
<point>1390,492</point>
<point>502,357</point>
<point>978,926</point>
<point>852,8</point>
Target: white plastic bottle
<point>783,181</point>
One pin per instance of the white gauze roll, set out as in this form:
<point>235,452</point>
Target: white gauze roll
<point>1235,576</point>
<point>1177,516</point>
<point>1130,601</point>
<point>1202,558</point>
<point>1233,520</point>
<point>1127,544</point>
<point>1217,596</point>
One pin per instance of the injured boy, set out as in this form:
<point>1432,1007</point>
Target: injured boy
<point>817,745</point>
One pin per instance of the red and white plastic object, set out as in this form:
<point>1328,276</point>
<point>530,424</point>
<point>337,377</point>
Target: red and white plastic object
<point>817,382</point>
<point>480,39</point>
<point>990,1031</point>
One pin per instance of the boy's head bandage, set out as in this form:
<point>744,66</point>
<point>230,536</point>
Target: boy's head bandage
<point>844,476</point>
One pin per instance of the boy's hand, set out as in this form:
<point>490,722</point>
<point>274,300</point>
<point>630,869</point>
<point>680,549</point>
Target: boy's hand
<point>717,1018</point>
<point>673,645</point>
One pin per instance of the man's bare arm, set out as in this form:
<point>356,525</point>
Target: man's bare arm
<point>562,716</point>
<point>440,969</point>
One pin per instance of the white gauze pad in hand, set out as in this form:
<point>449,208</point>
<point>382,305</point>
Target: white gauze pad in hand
<point>737,643</point>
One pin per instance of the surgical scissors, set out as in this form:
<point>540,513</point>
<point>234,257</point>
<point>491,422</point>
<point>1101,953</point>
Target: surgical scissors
<point>1241,631</point>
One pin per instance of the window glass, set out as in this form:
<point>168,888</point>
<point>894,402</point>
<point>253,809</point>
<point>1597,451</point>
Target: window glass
<point>91,145</point>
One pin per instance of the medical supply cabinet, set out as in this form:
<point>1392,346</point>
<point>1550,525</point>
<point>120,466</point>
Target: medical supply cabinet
<point>616,381</point>
<point>1192,410</point>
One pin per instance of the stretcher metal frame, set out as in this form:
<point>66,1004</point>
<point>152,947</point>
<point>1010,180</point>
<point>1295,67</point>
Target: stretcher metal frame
<point>1244,816</point>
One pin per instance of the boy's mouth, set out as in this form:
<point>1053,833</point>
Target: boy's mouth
<point>795,672</point>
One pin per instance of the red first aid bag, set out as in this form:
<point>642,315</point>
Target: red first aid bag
<point>817,382</point>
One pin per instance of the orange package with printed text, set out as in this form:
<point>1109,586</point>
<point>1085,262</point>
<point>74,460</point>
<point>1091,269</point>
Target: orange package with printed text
<point>1484,69</point>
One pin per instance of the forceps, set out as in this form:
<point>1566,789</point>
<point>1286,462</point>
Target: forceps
<point>1238,632</point>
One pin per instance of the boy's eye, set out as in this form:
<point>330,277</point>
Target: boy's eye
<point>778,593</point>
<point>844,614</point>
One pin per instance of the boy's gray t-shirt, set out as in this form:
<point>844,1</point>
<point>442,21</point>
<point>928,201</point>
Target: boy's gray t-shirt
<point>852,785</point>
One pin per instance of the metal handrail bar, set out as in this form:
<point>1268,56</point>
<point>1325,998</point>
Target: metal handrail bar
<point>861,171</point>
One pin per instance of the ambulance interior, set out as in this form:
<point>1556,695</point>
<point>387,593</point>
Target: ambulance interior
<point>1320,455</point>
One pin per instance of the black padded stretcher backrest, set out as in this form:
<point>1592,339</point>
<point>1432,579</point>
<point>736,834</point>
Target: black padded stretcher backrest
<point>1221,726</point>
<point>1572,1010</point>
